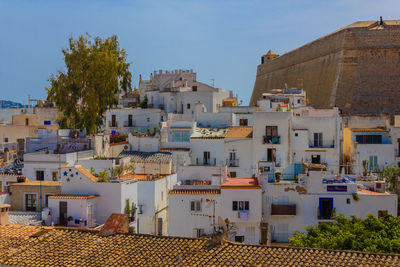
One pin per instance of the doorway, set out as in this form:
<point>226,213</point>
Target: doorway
<point>63,213</point>
<point>326,208</point>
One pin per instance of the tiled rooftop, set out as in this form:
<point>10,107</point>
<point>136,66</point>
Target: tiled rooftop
<point>38,183</point>
<point>239,132</point>
<point>73,196</point>
<point>148,157</point>
<point>48,246</point>
<point>369,130</point>
<point>369,192</point>
<point>195,191</point>
<point>240,182</point>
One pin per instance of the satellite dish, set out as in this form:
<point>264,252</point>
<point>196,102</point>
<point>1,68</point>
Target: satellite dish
<point>222,224</point>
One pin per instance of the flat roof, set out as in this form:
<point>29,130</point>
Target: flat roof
<point>66,196</point>
<point>242,182</point>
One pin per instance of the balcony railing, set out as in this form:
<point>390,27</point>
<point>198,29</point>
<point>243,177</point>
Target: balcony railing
<point>271,139</point>
<point>329,216</point>
<point>206,162</point>
<point>128,124</point>
<point>232,163</point>
<point>113,125</point>
<point>314,145</point>
<point>283,209</point>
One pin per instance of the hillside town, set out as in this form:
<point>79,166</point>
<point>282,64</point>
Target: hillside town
<point>180,160</point>
<point>193,154</point>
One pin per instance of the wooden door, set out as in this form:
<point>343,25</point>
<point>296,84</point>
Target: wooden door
<point>63,213</point>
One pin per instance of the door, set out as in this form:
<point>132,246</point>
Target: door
<point>264,232</point>
<point>113,120</point>
<point>30,202</point>
<point>63,213</point>
<point>326,208</point>
<point>271,155</point>
<point>130,120</point>
<point>206,157</point>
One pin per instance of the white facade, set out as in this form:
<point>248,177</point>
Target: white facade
<point>125,120</point>
<point>318,198</point>
<point>45,166</point>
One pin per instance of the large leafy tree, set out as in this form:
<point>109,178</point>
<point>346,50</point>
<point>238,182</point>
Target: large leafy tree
<point>369,235</point>
<point>96,72</point>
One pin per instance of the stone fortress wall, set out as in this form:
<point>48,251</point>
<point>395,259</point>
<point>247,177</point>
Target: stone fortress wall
<point>356,68</point>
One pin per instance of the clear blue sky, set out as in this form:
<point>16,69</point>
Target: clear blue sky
<point>219,39</point>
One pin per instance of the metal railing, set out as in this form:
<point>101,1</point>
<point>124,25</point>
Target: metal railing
<point>232,162</point>
<point>271,139</point>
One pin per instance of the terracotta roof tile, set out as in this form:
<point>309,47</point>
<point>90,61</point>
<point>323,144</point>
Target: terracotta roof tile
<point>49,246</point>
<point>86,173</point>
<point>38,183</point>
<point>368,130</point>
<point>240,183</point>
<point>195,191</point>
<point>73,196</point>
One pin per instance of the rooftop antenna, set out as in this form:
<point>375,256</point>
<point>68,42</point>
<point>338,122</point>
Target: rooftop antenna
<point>213,80</point>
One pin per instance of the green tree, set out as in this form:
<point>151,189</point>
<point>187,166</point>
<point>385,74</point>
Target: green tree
<point>369,235</point>
<point>96,72</point>
<point>143,104</point>
<point>392,174</point>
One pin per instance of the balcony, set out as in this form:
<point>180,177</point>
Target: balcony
<point>326,214</point>
<point>283,209</point>
<point>128,123</point>
<point>112,124</point>
<point>232,163</point>
<point>271,139</point>
<point>206,162</point>
<point>316,145</point>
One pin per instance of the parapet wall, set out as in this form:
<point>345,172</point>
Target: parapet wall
<point>355,68</point>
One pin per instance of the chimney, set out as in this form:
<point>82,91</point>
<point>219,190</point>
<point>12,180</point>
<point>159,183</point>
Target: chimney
<point>380,21</point>
<point>4,213</point>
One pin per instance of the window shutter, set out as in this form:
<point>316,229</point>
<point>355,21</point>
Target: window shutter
<point>192,205</point>
<point>234,205</point>
<point>246,205</point>
<point>198,205</point>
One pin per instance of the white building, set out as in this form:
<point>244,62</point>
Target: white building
<point>126,120</point>
<point>205,195</point>
<point>86,202</point>
<point>317,198</point>
<point>44,166</point>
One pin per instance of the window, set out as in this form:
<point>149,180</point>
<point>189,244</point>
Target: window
<point>198,233</point>
<point>148,119</point>
<point>188,105</point>
<point>232,174</point>
<point>316,159</point>
<point>243,122</point>
<point>194,88</point>
<point>271,131</point>
<point>296,134</point>
<point>373,163</point>
<point>369,139</point>
<point>239,238</point>
<point>382,213</point>
<point>348,201</point>
<point>240,205</point>
<point>40,175</point>
<point>30,202</point>
<point>26,122</point>
<point>195,205</point>
<point>318,142</point>
<point>298,101</point>
<point>47,200</point>
<point>54,176</point>
<point>5,139</point>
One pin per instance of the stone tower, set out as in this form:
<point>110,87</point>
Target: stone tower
<point>356,68</point>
